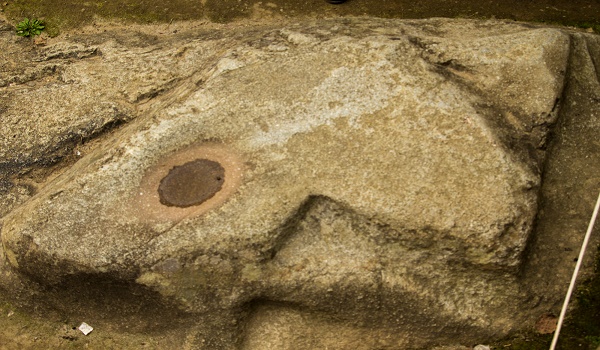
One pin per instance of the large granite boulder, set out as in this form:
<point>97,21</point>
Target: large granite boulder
<point>319,185</point>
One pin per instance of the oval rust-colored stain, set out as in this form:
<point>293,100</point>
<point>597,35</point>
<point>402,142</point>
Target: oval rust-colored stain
<point>185,183</point>
<point>192,183</point>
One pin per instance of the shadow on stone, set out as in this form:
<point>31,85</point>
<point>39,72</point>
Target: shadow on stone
<point>104,301</point>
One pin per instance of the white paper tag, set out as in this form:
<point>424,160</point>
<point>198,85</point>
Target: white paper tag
<point>85,328</point>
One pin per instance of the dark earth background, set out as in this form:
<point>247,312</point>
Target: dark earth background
<point>20,330</point>
<point>64,14</point>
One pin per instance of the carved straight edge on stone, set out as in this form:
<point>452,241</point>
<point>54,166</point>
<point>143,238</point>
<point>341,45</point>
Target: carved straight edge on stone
<point>334,183</point>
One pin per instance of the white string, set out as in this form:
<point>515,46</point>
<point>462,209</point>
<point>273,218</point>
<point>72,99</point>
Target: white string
<point>574,277</point>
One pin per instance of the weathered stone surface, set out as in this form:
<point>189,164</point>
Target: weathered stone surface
<point>57,97</point>
<point>381,180</point>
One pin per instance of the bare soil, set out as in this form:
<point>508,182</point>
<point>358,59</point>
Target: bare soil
<point>61,15</point>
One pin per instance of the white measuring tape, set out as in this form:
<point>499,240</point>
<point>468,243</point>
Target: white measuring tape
<point>575,272</point>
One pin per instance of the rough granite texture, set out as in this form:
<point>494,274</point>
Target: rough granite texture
<point>382,177</point>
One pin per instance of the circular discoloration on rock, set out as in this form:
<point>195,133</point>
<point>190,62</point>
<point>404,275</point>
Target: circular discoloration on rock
<point>147,204</point>
<point>191,183</point>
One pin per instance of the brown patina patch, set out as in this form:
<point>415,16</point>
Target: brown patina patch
<point>191,183</point>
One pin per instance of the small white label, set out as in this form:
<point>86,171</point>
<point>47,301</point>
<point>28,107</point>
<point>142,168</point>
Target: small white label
<point>481,347</point>
<point>85,328</point>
